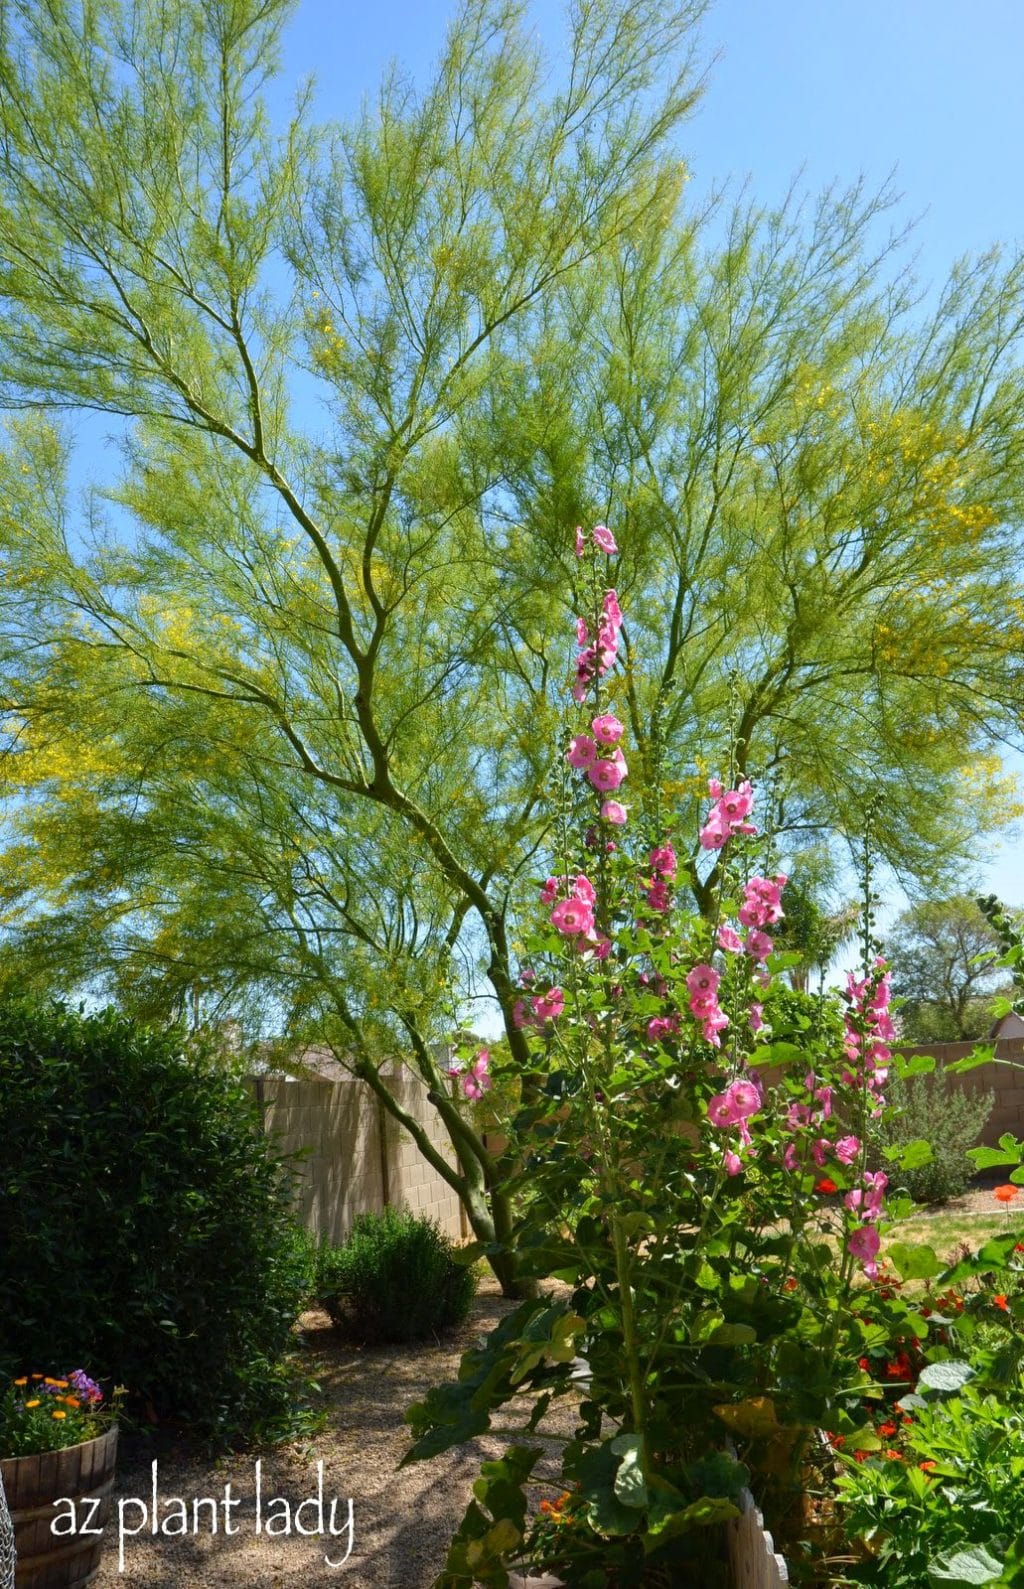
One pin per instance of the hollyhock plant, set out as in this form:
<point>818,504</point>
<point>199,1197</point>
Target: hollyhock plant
<point>675,1154</point>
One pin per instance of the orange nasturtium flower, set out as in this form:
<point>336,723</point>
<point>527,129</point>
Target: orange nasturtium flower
<point>1006,1194</point>
<point>1001,1302</point>
<point>72,1401</point>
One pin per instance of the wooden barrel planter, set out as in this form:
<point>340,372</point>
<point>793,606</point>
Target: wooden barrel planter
<point>81,1473</point>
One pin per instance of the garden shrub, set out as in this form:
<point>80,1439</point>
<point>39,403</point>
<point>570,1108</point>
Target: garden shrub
<point>396,1278</point>
<point>934,1108</point>
<point>145,1221</point>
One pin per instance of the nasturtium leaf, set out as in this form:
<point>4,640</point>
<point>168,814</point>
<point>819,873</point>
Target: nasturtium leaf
<point>734,1335</point>
<point>630,1486</point>
<point>946,1376</point>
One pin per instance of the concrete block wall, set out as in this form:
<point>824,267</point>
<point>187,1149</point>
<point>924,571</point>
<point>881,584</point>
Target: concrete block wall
<point>356,1158</point>
<point>1004,1076</point>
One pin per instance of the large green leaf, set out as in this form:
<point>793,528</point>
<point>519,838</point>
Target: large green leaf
<point>971,1565</point>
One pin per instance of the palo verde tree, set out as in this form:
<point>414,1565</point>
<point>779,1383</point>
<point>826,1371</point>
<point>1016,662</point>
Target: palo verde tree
<point>248,705</point>
<point>278,698</point>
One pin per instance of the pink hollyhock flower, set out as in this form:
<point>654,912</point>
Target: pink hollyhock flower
<point>607,728</point>
<point>549,893</point>
<point>663,861</point>
<point>583,888</point>
<point>745,1097</point>
<point>733,1163</point>
<point>611,610</point>
<point>661,1026</point>
<point>715,788</point>
<point>605,774</point>
<point>475,1081</point>
<point>582,752</point>
<point>582,635</point>
<point>729,938</point>
<point>818,1151</point>
<point>658,898</point>
<point>789,1158</point>
<point>712,1025</point>
<point>522,1015</point>
<point>581,541</point>
<point>864,1243</point>
<point>737,804</point>
<point>714,833</point>
<point>612,811</point>
<point>572,916</point>
<point>600,947</point>
<point>759,945</point>
<point>703,1004</point>
<point>549,1006</point>
<point>703,979</point>
<point>739,1100</point>
<point>756,1017</point>
<point>605,540</point>
<point>527,976</point>
<point>720,1111</point>
<point>847,1149</point>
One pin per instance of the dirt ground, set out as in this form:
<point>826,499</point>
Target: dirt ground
<point>401,1521</point>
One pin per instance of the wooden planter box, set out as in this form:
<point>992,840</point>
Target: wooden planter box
<point>753,1559</point>
<point>83,1472</point>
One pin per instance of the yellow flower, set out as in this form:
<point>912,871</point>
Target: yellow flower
<point>22,1381</point>
<point>61,1384</point>
<point>33,1403</point>
<point>58,1413</point>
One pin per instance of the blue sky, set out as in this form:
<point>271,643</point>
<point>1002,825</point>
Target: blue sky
<point>926,89</point>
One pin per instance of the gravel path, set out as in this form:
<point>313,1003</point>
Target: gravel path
<point>402,1520</point>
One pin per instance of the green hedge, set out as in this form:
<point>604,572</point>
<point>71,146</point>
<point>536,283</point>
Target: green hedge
<point>144,1221</point>
<point>395,1279</point>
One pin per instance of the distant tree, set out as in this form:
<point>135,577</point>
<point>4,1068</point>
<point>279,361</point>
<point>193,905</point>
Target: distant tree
<point>944,954</point>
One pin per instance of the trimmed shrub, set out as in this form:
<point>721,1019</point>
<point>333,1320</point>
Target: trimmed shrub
<point>945,1114</point>
<point>144,1221</point>
<point>395,1279</point>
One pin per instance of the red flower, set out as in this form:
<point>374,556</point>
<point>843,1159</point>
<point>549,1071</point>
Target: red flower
<point>861,1456</point>
<point>826,1186</point>
<point>790,1284</point>
<point>926,1467</point>
<point>887,1430</point>
<point>863,1364</point>
<point>1001,1302</point>
<point>1006,1194</point>
<point>893,1456</point>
